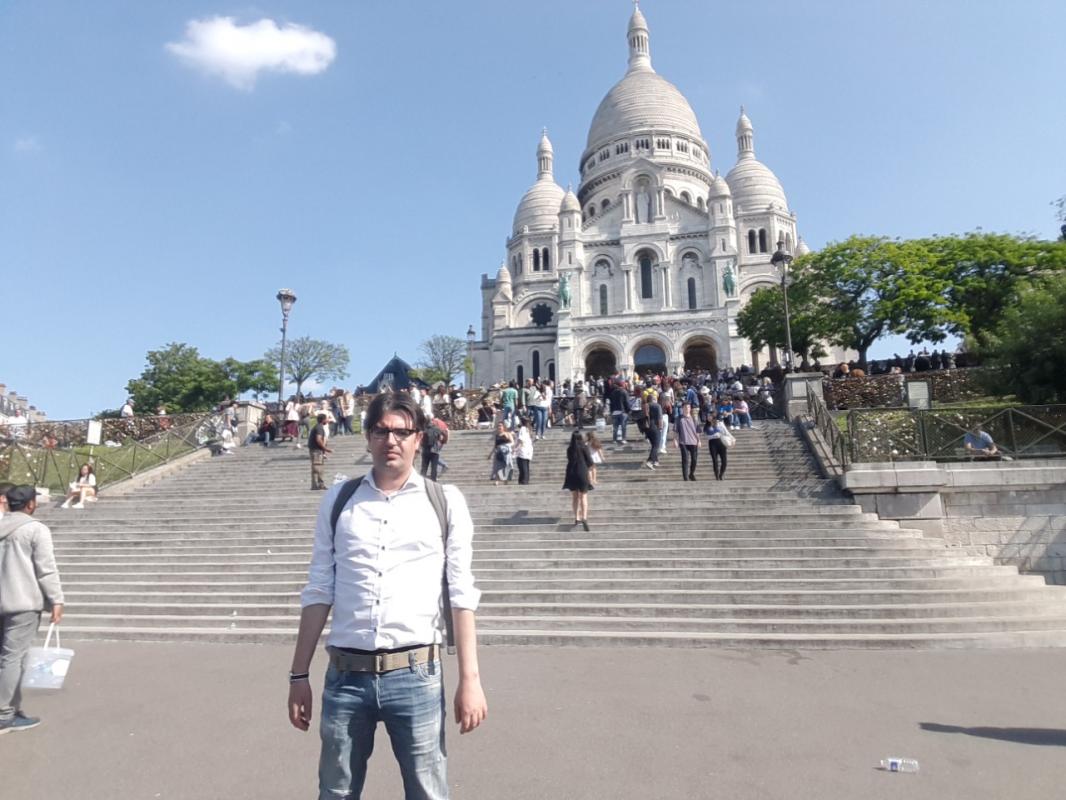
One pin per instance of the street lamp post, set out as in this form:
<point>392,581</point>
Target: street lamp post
<point>471,335</point>
<point>783,261</point>
<point>287,299</point>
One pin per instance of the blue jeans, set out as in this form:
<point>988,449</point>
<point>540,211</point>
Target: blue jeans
<point>410,702</point>
<point>621,422</point>
<point>540,420</point>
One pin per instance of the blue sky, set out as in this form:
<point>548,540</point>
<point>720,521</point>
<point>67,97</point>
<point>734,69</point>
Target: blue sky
<point>372,162</point>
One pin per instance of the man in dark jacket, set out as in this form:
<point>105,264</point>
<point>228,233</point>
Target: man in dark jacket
<point>619,404</point>
<point>29,584</point>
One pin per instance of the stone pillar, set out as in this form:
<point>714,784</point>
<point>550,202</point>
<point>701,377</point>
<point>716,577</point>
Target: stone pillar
<point>796,384</point>
<point>627,275</point>
<point>249,415</point>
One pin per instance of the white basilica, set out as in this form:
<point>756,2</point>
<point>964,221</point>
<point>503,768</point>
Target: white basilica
<point>648,264</point>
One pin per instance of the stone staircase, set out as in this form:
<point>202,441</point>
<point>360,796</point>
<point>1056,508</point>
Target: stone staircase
<point>771,557</point>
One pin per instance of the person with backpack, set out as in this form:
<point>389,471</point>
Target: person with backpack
<point>433,439</point>
<point>392,559</point>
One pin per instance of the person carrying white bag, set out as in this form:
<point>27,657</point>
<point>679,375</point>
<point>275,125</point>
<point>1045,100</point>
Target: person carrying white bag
<point>29,584</point>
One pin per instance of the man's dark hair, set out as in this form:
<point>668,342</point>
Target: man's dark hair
<point>321,417</point>
<point>389,403</point>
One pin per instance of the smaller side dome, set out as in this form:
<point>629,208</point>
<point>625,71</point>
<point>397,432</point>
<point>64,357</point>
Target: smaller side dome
<point>801,247</point>
<point>503,275</point>
<point>719,188</point>
<point>570,202</point>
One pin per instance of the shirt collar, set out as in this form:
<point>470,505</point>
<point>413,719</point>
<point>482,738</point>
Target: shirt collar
<point>414,481</point>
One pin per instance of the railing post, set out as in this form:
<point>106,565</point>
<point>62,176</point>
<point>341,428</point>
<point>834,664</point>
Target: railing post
<point>1013,433</point>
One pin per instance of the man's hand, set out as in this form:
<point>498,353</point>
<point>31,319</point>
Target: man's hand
<point>57,613</point>
<point>300,705</point>
<point>471,708</point>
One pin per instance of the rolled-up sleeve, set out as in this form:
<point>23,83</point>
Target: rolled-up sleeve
<point>321,575</point>
<point>461,587</point>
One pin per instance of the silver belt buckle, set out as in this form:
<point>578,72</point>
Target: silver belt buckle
<point>379,663</point>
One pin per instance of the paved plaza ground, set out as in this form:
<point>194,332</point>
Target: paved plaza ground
<point>196,722</point>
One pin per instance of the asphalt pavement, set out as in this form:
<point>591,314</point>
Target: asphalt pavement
<point>198,722</point>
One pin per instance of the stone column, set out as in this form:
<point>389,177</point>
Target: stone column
<point>627,275</point>
<point>796,385</point>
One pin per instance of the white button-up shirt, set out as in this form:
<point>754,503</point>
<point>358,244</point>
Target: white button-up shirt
<point>384,582</point>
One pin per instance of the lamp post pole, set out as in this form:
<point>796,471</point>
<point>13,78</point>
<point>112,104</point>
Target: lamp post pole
<point>471,334</point>
<point>783,261</point>
<point>286,298</point>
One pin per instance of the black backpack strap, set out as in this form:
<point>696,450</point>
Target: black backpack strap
<point>440,505</point>
<point>343,497</point>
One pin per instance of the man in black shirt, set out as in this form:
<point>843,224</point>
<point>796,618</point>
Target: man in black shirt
<point>316,445</point>
<point>654,429</point>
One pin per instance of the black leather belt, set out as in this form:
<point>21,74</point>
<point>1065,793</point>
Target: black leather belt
<point>379,663</point>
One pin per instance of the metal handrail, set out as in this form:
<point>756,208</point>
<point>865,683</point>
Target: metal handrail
<point>827,426</point>
<point>938,434</point>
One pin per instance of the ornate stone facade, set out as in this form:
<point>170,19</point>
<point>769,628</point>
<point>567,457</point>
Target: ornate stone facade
<point>658,252</point>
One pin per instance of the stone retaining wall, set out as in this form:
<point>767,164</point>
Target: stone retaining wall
<point>1014,512</point>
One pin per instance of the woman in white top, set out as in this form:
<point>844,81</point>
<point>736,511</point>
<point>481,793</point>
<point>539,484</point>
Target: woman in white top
<point>84,488</point>
<point>524,451</point>
<point>716,432</point>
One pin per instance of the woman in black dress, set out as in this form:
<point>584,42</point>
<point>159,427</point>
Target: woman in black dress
<point>578,463</point>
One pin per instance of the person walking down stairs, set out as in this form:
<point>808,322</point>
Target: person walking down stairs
<point>577,480</point>
<point>688,442</point>
<point>717,436</point>
<point>316,446</point>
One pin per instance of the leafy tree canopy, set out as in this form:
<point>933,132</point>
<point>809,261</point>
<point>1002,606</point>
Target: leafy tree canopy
<point>984,273</point>
<point>442,358</point>
<point>1029,343</point>
<point>762,320</point>
<point>866,287</point>
<point>311,359</point>
<point>179,378</point>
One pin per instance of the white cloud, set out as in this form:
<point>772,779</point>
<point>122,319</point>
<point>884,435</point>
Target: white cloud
<point>238,53</point>
<point>27,144</point>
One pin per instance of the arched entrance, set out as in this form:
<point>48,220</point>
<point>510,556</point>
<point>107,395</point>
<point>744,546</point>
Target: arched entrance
<point>700,355</point>
<point>649,357</point>
<point>600,363</point>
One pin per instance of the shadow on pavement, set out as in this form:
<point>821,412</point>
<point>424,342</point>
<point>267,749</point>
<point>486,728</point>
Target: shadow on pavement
<point>1042,736</point>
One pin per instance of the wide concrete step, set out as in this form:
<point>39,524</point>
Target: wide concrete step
<point>269,592</point>
<point>593,638</point>
<point>610,624</point>
<point>650,611</point>
<point>690,548</point>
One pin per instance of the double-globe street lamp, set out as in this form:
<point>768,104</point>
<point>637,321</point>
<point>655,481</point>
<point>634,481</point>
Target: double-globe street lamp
<point>287,299</point>
<point>783,261</point>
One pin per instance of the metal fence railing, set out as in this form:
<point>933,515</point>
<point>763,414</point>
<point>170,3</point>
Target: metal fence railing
<point>818,411</point>
<point>938,434</point>
<point>51,454</point>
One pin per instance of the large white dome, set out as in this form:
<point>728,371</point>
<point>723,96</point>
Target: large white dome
<point>642,100</point>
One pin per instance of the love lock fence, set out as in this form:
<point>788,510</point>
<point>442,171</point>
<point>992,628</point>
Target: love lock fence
<point>938,434</point>
<point>51,454</point>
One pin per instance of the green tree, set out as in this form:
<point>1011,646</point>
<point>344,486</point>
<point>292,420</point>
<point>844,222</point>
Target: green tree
<point>762,320</point>
<point>179,378</point>
<point>984,273</point>
<point>307,359</point>
<point>869,287</point>
<point>1029,343</point>
<point>442,358</point>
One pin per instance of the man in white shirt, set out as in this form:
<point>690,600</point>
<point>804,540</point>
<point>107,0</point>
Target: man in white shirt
<point>381,574</point>
<point>127,409</point>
